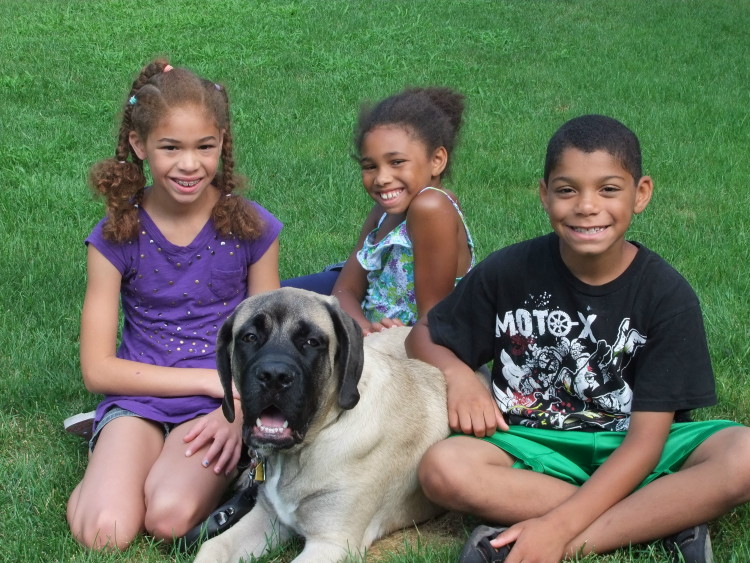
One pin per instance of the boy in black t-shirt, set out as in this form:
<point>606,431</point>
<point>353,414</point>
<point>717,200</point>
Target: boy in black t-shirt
<point>598,348</point>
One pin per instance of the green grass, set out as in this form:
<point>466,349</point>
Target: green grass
<point>675,71</point>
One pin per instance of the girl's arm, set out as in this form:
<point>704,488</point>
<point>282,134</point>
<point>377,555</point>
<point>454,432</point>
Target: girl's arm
<point>264,274</point>
<point>437,235</point>
<point>351,285</point>
<point>103,371</point>
<point>225,438</point>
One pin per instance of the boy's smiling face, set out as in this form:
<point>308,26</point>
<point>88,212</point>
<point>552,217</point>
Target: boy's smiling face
<point>590,200</point>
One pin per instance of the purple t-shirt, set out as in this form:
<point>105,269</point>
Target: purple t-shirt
<point>174,300</point>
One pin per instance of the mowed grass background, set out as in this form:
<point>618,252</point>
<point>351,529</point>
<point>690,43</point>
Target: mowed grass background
<point>675,72</point>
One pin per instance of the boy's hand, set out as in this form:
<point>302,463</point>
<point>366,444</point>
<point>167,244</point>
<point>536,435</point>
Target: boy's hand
<point>534,540</point>
<point>225,441</point>
<point>471,407</point>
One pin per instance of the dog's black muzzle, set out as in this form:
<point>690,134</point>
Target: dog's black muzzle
<point>277,400</point>
<point>274,375</point>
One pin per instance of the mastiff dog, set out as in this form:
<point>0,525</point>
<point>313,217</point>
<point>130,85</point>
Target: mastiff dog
<point>340,420</point>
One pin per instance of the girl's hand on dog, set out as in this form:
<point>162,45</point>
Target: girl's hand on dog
<point>225,440</point>
<point>383,324</point>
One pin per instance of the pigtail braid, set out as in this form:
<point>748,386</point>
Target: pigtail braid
<point>232,214</point>
<point>122,180</point>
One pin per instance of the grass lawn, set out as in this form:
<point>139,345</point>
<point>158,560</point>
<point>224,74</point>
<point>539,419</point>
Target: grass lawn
<point>676,72</point>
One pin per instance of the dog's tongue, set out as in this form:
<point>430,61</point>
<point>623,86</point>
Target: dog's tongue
<point>272,419</point>
<point>271,426</point>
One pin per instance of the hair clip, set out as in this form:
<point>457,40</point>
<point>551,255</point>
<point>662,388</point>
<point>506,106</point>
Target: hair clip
<point>217,86</point>
<point>132,100</point>
<point>122,161</point>
<point>167,68</point>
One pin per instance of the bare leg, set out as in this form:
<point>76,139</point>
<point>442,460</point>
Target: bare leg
<point>106,508</point>
<point>474,476</point>
<point>180,492</point>
<point>469,475</point>
<point>713,480</point>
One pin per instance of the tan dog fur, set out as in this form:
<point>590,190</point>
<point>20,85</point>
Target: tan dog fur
<point>353,478</point>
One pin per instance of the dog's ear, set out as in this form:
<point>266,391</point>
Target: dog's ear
<point>350,356</point>
<point>224,346</point>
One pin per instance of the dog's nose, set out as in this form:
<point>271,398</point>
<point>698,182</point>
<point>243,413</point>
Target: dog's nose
<point>275,376</point>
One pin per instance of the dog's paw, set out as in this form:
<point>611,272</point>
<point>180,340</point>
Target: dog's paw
<point>231,547</point>
<point>212,551</point>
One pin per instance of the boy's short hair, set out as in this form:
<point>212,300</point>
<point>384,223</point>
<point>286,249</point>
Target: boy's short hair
<point>589,133</point>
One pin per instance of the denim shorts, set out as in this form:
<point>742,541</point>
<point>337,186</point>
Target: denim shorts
<point>117,412</point>
<point>573,456</point>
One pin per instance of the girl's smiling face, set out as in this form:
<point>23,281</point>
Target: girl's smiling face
<point>183,152</point>
<point>396,166</point>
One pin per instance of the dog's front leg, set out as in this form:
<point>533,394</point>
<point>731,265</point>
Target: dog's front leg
<point>253,535</point>
<point>318,550</point>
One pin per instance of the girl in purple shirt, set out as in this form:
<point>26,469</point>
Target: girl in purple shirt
<point>178,256</point>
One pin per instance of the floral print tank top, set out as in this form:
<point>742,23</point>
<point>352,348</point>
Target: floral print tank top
<point>390,272</point>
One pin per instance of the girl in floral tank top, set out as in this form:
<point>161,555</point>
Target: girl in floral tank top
<point>390,271</point>
<point>414,244</point>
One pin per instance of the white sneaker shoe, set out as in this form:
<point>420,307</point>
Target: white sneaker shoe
<point>81,424</point>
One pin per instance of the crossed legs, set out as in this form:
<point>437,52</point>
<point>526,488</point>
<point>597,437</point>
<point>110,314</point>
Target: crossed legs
<point>470,475</point>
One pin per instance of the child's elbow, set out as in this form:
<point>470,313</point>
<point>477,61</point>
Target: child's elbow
<point>412,344</point>
<point>90,380</point>
<point>91,386</point>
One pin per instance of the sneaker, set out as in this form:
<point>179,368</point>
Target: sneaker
<point>477,548</point>
<point>223,518</point>
<point>81,424</point>
<point>690,546</point>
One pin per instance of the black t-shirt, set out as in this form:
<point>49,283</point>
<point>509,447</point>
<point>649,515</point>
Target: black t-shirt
<point>568,355</point>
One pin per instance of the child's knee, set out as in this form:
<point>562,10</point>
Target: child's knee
<point>100,527</point>
<point>739,470</point>
<point>171,516</point>
<point>104,530</point>
<point>728,454</point>
<point>438,472</point>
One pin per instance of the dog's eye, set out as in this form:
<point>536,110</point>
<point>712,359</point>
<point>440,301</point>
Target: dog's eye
<point>312,342</point>
<point>250,337</point>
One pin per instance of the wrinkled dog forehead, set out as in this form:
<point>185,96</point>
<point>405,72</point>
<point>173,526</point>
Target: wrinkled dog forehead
<point>287,308</point>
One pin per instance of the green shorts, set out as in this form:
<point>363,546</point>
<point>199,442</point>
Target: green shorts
<point>573,455</point>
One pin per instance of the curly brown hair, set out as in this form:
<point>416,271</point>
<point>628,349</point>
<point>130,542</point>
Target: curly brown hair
<point>433,114</point>
<point>121,179</point>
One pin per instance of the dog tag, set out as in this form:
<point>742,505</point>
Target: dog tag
<point>260,472</point>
